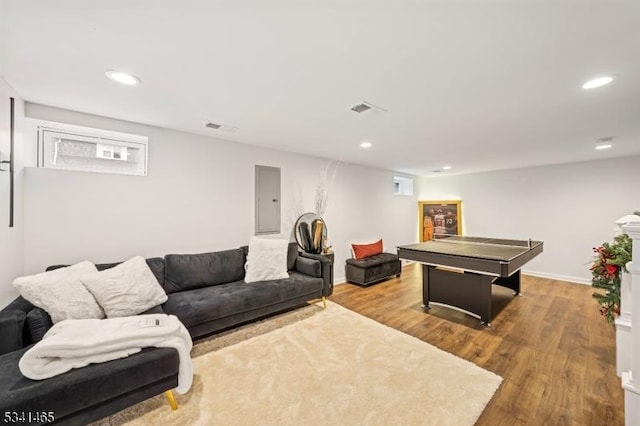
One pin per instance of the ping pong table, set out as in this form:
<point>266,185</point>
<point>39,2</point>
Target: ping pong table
<point>458,271</point>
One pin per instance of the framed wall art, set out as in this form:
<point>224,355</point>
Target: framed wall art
<point>439,218</point>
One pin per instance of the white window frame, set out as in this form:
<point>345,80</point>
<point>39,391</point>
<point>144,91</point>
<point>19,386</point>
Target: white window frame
<point>46,148</point>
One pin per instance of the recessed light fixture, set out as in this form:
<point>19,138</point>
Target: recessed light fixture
<point>446,167</point>
<point>123,78</point>
<point>597,82</point>
<point>604,142</point>
<point>604,146</point>
<point>365,145</point>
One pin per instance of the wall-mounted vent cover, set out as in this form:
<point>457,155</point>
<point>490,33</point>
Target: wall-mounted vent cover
<point>220,126</point>
<point>360,108</point>
<point>365,106</point>
<point>605,139</point>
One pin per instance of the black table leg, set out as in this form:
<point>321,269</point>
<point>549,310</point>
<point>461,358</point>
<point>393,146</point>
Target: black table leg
<point>425,287</point>
<point>512,282</point>
<point>466,291</point>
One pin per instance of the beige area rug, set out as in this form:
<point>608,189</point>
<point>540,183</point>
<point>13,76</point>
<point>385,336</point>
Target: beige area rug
<point>317,366</point>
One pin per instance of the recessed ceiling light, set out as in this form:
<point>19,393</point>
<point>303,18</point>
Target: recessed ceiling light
<point>597,82</point>
<point>446,167</point>
<point>604,146</point>
<point>122,77</point>
<point>604,142</point>
<point>365,145</point>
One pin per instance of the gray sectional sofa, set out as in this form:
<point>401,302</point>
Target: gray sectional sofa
<point>205,291</point>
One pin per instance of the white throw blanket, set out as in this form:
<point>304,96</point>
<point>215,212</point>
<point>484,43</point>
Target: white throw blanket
<point>77,343</point>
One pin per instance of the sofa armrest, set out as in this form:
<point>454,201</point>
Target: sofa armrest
<point>327,270</point>
<point>11,330</point>
<point>311,267</point>
<point>37,323</point>
<point>19,304</point>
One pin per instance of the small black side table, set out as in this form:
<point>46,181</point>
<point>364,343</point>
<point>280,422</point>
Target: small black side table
<point>331,256</point>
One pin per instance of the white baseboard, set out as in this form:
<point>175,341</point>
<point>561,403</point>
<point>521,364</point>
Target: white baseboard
<point>568,278</point>
<point>558,277</point>
<point>339,280</point>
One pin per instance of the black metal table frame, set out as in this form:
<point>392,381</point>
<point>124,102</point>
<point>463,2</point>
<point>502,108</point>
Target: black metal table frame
<point>472,293</point>
<point>464,283</point>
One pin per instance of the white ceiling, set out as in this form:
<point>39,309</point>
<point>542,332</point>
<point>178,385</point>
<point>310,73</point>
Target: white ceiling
<point>476,84</point>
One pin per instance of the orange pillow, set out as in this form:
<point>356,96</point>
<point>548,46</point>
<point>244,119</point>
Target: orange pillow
<point>360,251</point>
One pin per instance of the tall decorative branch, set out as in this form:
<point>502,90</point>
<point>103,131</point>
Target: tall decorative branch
<point>327,175</point>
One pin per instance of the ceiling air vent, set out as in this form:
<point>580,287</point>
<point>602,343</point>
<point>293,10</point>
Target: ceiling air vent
<point>221,127</point>
<point>365,106</point>
<point>360,108</point>
<point>211,125</point>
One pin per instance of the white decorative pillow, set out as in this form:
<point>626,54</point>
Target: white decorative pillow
<point>267,260</point>
<point>126,289</point>
<point>60,293</point>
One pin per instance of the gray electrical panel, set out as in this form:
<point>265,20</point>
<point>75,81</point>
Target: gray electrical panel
<point>267,200</point>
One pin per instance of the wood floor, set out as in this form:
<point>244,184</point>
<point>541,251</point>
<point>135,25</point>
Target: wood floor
<point>552,348</point>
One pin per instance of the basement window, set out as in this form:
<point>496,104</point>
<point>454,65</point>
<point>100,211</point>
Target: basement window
<point>402,185</point>
<point>92,150</point>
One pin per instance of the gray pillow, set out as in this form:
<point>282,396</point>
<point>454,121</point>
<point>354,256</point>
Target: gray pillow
<point>191,271</point>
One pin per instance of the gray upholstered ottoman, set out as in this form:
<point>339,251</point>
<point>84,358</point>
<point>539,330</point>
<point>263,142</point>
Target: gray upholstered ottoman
<point>372,269</point>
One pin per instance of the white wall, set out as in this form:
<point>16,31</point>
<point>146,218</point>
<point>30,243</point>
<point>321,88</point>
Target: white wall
<point>11,239</point>
<point>198,196</point>
<point>571,207</point>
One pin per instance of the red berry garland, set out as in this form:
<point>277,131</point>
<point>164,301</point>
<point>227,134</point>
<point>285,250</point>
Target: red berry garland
<point>608,265</point>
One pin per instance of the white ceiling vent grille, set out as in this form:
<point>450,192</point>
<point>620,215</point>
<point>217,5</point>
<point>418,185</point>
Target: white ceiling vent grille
<point>221,127</point>
<point>605,139</point>
<point>365,106</point>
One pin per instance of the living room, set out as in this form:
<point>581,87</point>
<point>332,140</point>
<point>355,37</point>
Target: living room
<point>547,183</point>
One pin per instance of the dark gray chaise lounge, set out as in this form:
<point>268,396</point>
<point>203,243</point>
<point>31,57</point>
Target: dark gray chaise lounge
<point>206,292</point>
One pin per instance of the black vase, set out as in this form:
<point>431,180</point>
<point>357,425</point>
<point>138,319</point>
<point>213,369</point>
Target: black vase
<point>305,236</point>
